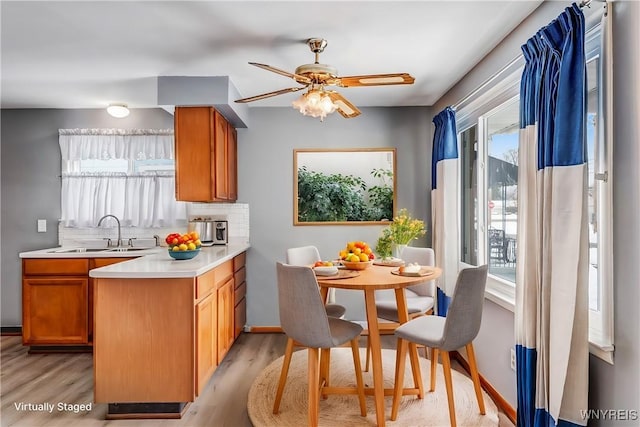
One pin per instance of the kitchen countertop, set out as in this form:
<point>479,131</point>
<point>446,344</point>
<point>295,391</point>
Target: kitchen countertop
<point>70,252</point>
<point>151,263</point>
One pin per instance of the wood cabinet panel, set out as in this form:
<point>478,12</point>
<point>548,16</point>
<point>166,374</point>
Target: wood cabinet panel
<point>224,272</point>
<point>206,168</point>
<point>103,262</point>
<point>225,318</point>
<point>240,292</point>
<point>232,162</point>
<point>220,157</point>
<point>55,267</point>
<point>54,310</point>
<point>205,284</point>
<point>239,261</point>
<point>97,263</point>
<point>240,276</point>
<point>240,317</point>
<point>144,334</point>
<point>206,345</point>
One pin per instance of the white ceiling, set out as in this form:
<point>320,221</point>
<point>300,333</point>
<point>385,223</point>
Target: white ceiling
<point>87,54</point>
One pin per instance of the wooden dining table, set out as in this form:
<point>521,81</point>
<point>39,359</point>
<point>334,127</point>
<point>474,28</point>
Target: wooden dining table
<point>369,280</point>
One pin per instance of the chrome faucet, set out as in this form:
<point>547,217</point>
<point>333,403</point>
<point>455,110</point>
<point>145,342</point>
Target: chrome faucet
<point>119,241</point>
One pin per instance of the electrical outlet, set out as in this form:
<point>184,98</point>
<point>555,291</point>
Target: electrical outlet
<point>513,360</point>
<point>42,226</point>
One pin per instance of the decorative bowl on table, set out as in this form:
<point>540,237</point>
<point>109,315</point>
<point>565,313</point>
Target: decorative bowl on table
<point>359,265</point>
<point>182,255</point>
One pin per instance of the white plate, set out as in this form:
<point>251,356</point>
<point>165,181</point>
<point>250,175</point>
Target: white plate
<point>326,271</point>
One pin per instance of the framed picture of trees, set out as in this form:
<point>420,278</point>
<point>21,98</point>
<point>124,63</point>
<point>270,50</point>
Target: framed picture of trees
<point>344,186</point>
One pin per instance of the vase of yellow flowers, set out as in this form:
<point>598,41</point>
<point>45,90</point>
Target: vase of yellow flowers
<point>399,234</point>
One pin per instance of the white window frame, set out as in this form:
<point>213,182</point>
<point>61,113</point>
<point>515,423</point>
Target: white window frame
<point>472,111</point>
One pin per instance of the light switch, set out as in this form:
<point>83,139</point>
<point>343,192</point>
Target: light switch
<point>42,226</point>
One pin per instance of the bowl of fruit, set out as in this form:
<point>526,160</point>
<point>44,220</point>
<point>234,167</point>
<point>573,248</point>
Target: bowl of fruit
<point>183,246</point>
<point>357,256</point>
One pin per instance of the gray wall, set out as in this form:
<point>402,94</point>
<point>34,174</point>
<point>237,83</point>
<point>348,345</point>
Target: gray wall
<point>30,171</point>
<point>265,179</point>
<point>611,387</point>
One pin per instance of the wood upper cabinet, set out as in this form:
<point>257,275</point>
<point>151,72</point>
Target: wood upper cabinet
<point>232,162</point>
<point>205,155</point>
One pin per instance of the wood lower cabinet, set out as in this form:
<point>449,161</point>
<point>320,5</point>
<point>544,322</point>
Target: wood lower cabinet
<point>206,347</point>
<point>178,331</point>
<point>55,310</point>
<point>225,314</point>
<point>206,155</point>
<point>239,295</point>
<point>57,300</point>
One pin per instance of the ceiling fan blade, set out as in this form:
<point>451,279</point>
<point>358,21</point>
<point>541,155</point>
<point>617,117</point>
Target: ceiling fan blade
<point>297,77</point>
<point>344,107</point>
<point>270,94</point>
<point>376,80</point>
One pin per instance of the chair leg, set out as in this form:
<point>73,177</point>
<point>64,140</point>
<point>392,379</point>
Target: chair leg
<point>325,363</point>
<point>355,349</point>
<point>473,367</point>
<point>398,386</point>
<point>312,393</point>
<point>368,356</point>
<point>434,362</point>
<point>283,375</point>
<point>415,369</point>
<point>446,367</point>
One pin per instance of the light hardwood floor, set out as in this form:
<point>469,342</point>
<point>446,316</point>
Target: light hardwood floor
<point>67,379</point>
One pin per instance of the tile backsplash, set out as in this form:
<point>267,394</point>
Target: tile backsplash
<point>237,215</point>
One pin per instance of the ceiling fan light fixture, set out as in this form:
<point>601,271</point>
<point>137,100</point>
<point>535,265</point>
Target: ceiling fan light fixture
<point>315,103</point>
<point>118,111</point>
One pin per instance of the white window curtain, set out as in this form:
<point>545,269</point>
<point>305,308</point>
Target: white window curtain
<point>139,199</point>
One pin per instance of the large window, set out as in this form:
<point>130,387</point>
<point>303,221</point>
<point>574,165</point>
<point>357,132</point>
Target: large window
<point>488,139</point>
<point>489,176</point>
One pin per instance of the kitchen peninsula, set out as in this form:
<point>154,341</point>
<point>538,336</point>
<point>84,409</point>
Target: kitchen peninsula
<point>163,326</point>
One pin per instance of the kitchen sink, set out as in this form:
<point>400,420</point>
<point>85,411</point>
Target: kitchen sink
<point>77,250</point>
<point>126,249</point>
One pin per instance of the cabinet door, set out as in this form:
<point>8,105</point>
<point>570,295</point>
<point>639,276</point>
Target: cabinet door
<point>194,145</point>
<point>54,310</point>
<point>221,158</point>
<point>240,316</point>
<point>225,318</point>
<point>206,349</point>
<point>232,162</point>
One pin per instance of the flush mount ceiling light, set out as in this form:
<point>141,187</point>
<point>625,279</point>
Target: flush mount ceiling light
<point>118,110</point>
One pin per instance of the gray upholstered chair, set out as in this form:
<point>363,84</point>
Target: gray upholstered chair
<point>420,297</point>
<point>445,334</point>
<point>308,255</point>
<point>305,321</point>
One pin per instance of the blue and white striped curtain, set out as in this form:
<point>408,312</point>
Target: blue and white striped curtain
<point>551,316</point>
<point>444,204</point>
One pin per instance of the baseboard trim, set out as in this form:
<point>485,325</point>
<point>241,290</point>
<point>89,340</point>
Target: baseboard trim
<point>266,330</point>
<point>500,401</point>
<point>11,331</point>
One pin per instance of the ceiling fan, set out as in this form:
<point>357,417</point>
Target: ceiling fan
<point>318,101</point>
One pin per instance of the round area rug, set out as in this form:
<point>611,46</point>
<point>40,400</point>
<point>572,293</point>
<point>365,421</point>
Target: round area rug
<point>343,410</point>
